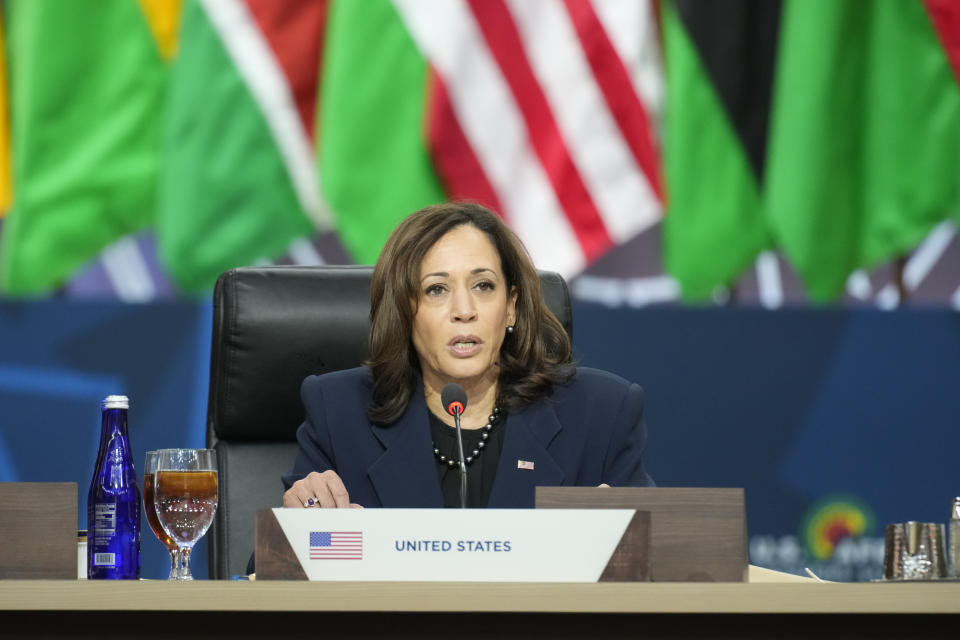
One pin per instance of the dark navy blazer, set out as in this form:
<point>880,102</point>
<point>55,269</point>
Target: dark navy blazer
<point>587,432</point>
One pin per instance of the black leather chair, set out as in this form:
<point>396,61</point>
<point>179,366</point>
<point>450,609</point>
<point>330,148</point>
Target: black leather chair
<point>272,327</point>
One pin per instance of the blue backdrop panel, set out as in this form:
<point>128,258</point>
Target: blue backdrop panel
<point>834,421</point>
<point>809,410</point>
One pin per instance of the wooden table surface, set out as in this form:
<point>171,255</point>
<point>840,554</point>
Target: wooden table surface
<point>434,597</point>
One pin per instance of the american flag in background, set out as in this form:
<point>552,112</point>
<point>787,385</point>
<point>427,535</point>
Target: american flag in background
<point>336,545</point>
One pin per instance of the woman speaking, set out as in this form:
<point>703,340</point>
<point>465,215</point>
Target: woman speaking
<point>455,298</point>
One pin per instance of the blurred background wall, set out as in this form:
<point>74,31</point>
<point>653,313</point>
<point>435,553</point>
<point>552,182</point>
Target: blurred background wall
<point>755,204</point>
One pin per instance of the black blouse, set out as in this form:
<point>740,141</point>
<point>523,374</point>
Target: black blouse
<point>480,473</point>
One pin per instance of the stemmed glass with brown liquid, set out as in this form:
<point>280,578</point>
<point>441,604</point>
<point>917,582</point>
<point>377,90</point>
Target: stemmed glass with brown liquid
<point>185,498</point>
<point>149,469</point>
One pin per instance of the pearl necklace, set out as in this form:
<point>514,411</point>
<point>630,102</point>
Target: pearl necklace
<point>453,464</point>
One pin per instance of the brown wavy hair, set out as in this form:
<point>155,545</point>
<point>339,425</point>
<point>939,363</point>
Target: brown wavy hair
<point>533,358</point>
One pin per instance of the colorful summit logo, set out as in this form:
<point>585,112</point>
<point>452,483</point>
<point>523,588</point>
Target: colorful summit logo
<point>830,520</point>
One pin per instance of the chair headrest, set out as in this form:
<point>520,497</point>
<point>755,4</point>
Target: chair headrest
<point>274,326</point>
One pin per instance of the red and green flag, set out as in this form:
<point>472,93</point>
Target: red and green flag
<point>238,180</point>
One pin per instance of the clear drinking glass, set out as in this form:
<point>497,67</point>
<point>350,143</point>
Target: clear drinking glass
<point>185,498</point>
<point>149,469</point>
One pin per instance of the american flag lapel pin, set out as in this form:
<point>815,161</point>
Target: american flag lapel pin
<point>525,464</point>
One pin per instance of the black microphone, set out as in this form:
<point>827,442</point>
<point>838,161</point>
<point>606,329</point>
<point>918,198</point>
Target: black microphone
<point>454,400</point>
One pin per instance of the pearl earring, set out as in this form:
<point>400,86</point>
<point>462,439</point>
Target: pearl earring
<point>510,329</point>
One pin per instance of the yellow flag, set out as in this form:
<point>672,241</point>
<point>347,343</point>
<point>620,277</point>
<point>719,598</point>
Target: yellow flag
<point>6,185</point>
<point>163,16</point>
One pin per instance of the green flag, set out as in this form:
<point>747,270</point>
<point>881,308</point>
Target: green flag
<point>374,161</point>
<point>87,84</point>
<point>864,153</point>
<point>714,226</point>
<point>226,195</point>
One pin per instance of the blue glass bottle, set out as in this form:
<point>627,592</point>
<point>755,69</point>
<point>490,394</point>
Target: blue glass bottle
<point>113,503</point>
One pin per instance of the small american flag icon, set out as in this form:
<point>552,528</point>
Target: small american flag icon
<point>336,545</point>
<point>525,464</point>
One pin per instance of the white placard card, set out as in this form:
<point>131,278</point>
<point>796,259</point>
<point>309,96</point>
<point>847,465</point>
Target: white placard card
<point>501,545</point>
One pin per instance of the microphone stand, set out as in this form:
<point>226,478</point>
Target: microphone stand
<point>463,460</point>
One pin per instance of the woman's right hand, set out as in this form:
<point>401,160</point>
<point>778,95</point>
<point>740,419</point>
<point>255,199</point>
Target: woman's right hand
<point>324,490</point>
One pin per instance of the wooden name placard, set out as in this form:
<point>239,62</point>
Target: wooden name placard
<point>696,534</point>
<point>38,530</point>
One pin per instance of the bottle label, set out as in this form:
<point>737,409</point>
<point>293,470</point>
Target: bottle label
<point>104,524</point>
<point>104,559</point>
